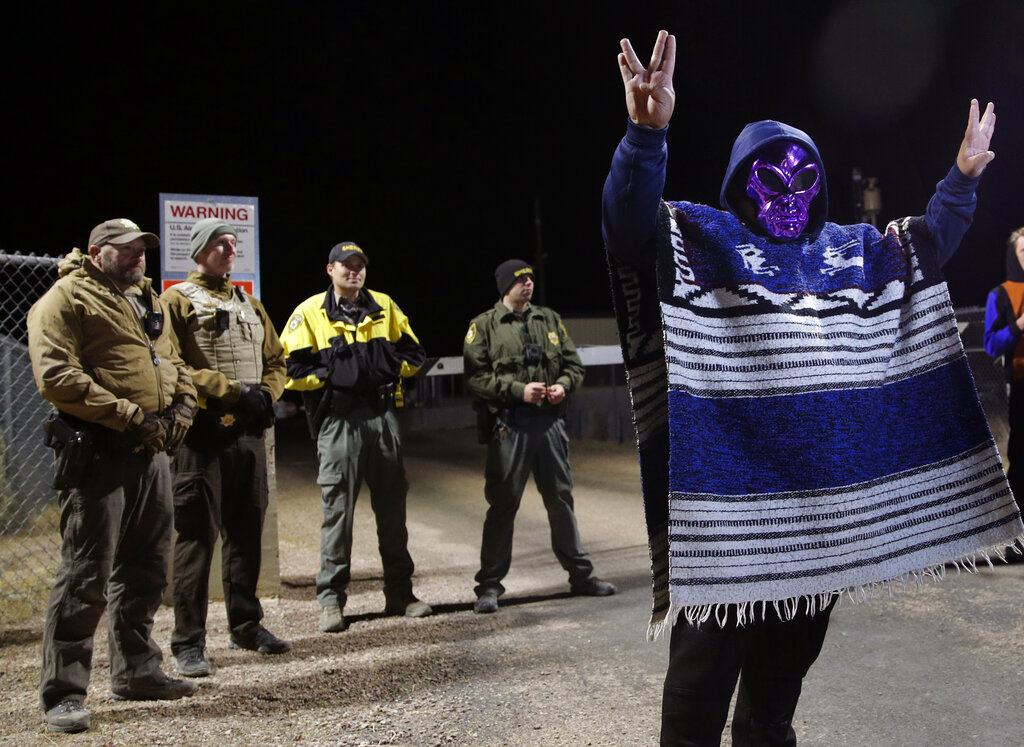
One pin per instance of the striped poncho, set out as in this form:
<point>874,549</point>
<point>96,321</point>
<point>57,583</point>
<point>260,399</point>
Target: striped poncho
<point>807,421</point>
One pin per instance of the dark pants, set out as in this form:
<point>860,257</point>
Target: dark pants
<point>362,444</point>
<point>1015,445</point>
<point>537,443</point>
<point>115,540</point>
<point>218,493</point>
<point>770,658</point>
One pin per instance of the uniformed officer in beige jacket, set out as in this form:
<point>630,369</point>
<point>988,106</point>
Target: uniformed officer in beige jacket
<point>220,473</point>
<point>101,356</point>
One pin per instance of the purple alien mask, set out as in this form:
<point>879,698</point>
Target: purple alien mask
<point>783,185</point>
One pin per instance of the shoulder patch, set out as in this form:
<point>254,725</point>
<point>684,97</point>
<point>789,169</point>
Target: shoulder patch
<point>294,322</point>
<point>471,334</point>
<point>553,336</point>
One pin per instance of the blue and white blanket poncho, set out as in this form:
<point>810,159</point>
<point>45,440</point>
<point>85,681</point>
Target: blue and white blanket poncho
<point>815,409</point>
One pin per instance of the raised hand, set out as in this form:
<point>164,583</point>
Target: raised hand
<point>650,97</point>
<point>974,154</point>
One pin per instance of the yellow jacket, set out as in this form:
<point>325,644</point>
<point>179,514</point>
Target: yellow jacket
<point>322,346</point>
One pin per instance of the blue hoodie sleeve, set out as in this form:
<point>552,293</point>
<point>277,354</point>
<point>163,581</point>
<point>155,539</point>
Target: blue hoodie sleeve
<point>632,195</point>
<point>1000,337</point>
<point>950,211</point>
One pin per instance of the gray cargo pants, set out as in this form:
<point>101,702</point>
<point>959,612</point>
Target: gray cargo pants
<point>362,445</point>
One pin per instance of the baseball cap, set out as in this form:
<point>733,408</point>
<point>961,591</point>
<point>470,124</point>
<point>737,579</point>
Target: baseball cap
<point>120,231</point>
<point>344,250</point>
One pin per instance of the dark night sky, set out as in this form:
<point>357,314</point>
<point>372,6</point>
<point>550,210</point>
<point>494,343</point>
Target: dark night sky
<point>427,131</point>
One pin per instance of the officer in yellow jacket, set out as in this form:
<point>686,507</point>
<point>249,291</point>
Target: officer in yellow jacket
<point>347,351</point>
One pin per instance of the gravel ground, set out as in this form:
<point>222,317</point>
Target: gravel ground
<point>943,665</point>
<point>452,678</point>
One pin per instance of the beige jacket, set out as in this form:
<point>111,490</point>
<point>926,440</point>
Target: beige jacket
<point>90,355</point>
<point>183,324</point>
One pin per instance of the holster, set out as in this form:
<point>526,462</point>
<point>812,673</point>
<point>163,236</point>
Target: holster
<point>485,420</point>
<point>74,447</point>
<point>316,406</point>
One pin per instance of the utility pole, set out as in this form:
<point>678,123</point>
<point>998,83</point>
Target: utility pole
<point>539,257</point>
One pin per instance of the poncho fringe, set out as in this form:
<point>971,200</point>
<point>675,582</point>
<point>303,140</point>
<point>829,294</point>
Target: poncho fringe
<point>785,609</point>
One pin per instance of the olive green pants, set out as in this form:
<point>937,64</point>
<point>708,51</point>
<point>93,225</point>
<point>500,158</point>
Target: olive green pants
<point>535,442</point>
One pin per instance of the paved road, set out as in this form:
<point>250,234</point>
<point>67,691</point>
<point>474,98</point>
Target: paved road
<point>940,665</point>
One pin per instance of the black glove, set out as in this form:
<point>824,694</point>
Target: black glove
<point>269,418</point>
<point>150,431</point>
<point>252,403</point>
<point>179,419</point>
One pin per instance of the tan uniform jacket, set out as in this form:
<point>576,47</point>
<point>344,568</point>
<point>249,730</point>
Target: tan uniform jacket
<point>90,354</point>
<point>210,382</point>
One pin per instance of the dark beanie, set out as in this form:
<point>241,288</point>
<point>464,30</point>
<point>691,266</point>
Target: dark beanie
<point>509,272</point>
<point>205,231</point>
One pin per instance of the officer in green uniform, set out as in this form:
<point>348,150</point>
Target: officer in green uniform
<point>520,365</point>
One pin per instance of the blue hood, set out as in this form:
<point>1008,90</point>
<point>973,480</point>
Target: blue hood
<point>756,135</point>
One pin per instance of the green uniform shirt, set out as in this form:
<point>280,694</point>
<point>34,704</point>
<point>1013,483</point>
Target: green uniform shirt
<point>495,368</point>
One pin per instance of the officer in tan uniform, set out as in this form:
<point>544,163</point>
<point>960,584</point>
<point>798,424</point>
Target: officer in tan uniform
<point>101,356</point>
<point>220,473</point>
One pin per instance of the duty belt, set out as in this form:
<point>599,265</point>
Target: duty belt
<point>343,402</point>
<point>106,441</point>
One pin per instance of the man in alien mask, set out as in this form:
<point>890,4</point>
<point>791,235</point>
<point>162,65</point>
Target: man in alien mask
<point>807,422</point>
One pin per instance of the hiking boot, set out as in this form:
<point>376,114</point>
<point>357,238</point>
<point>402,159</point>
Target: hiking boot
<point>68,716</point>
<point>190,662</point>
<point>487,602</point>
<point>593,587</point>
<point>157,687</point>
<point>331,619</point>
<point>411,607</point>
<point>263,641</point>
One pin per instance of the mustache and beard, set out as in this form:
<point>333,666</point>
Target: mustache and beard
<point>123,275</point>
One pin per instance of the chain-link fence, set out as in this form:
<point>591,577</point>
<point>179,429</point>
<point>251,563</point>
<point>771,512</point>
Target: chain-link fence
<point>29,533</point>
